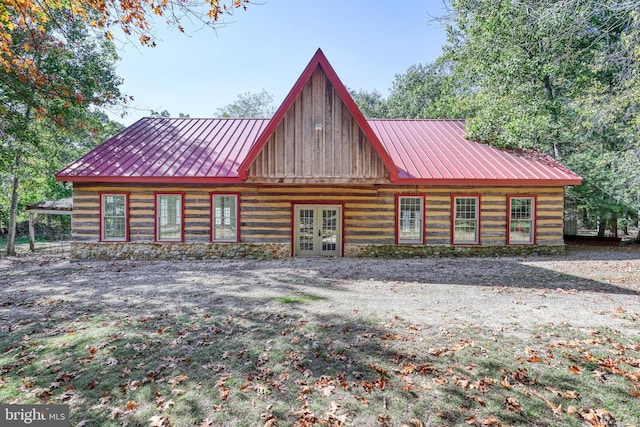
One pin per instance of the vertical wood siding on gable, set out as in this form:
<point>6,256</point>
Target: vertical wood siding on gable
<point>297,152</point>
<point>369,211</point>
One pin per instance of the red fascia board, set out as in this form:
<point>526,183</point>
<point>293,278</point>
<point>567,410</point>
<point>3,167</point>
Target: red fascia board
<point>490,182</point>
<point>149,179</point>
<point>318,60</point>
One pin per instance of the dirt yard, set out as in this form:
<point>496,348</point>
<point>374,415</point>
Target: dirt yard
<point>588,285</point>
<point>341,304</point>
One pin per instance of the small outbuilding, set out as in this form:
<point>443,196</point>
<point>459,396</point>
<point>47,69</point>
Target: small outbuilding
<point>37,211</point>
<point>316,179</point>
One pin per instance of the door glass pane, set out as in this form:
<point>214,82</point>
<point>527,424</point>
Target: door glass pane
<point>306,230</point>
<point>329,229</point>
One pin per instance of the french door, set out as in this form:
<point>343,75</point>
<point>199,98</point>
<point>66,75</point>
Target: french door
<point>317,230</point>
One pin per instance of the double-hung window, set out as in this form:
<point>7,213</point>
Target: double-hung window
<point>169,217</point>
<point>521,216</point>
<point>114,217</point>
<point>410,219</point>
<point>224,218</point>
<point>465,225</point>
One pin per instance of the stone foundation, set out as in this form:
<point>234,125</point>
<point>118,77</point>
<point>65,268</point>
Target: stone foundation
<point>410,251</point>
<point>210,251</point>
<point>178,251</point>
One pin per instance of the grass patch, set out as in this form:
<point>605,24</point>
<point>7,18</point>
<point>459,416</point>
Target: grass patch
<point>298,299</point>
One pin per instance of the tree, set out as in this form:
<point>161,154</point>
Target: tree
<point>372,104</point>
<point>28,27</point>
<point>81,73</point>
<point>553,76</point>
<point>255,105</point>
<point>426,91</point>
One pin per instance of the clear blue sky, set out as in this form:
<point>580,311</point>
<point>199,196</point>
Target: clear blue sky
<point>368,42</point>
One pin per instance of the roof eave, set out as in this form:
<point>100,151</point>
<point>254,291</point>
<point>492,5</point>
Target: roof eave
<point>151,179</point>
<point>489,182</point>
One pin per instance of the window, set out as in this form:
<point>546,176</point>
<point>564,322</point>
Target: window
<point>465,222</point>
<point>169,213</point>
<point>114,213</point>
<point>409,220</point>
<point>224,227</point>
<point>521,226</point>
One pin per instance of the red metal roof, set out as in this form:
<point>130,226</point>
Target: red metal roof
<point>212,150</point>
<point>173,150</point>
<point>436,151</point>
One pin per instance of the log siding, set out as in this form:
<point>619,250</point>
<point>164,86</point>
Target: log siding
<point>318,139</point>
<point>369,211</point>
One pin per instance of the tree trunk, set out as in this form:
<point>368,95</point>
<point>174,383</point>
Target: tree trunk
<point>602,225</point>
<point>13,212</point>
<point>614,224</point>
<point>638,236</point>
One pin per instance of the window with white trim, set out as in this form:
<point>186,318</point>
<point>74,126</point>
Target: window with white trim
<point>465,220</point>
<point>521,220</point>
<point>114,217</point>
<point>410,214</point>
<point>224,217</point>
<point>169,217</point>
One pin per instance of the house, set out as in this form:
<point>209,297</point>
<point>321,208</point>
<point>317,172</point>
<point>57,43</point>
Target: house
<point>317,179</point>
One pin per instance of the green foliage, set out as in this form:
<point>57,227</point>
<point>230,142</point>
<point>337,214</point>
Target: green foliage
<point>252,105</point>
<point>426,92</point>
<point>46,124</point>
<point>559,77</point>
<point>372,104</point>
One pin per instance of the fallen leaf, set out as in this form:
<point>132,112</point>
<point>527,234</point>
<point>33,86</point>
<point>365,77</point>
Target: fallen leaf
<point>440,380</point>
<point>557,410</point>
<point>512,404</point>
<point>131,406</point>
<point>504,382</point>
<point>158,421</point>
<point>598,417</point>
<point>478,400</point>
<point>570,394</point>
<point>177,380</point>
<point>491,421</point>
<point>575,369</point>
